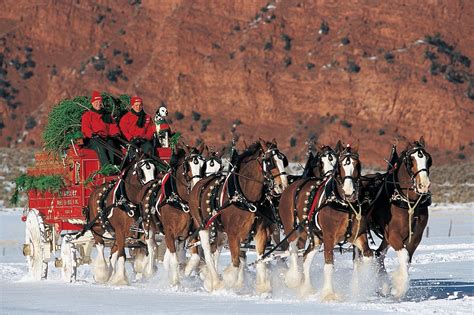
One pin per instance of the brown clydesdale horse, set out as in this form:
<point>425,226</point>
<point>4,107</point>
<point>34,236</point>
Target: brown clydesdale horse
<point>171,205</point>
<point>400,211</point>
<point>294,208</point>
<point>341,218</point>
<point>231,204</point>
<point>114,219</point>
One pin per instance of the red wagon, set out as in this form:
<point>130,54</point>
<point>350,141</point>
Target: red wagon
<point>53,218</point>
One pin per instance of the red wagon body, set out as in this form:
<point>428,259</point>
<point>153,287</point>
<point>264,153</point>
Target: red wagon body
<point>64,209</point>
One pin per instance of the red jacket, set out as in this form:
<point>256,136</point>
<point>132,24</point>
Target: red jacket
<point>128,125</point>
<point>92,123</point>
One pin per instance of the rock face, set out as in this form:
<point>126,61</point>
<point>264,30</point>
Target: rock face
<point>293,70</point>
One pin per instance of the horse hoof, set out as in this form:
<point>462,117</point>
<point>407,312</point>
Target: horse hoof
<point>330,297</point>
<point>306,290</point>
<point>119,281</point>
<point>293,280</point>
<point>397,293</point>
<point>212,285</point>
<point>384,289</point>
<point>399,285</point>
<point>263,287</point>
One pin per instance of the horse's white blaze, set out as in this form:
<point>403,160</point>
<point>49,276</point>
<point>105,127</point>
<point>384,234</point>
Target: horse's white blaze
<point>148,172</point>
<point>195,170</point>
<point>283,177</point>
<point>348,185</point>
<point>212,167</point>
<point>100,268</point>
<point>400,276</point>
<point>328,164</point>
<point>421,163</point>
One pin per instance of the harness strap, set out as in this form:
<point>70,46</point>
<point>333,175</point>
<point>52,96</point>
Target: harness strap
<point>411,210</point>
<point>316,198</point>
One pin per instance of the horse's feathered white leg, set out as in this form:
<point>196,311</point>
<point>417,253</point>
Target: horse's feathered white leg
<point>211,277</point>
<point>234,276</point>
<point>307,287</point>
<point>192,264</point>
<point>119,276</point>
<point>173,268</point>
<point>100,267</point>
<point>150,266</point>
<point>293,275</point>
<point>400,276</point>
<point>139,264</point>
<point>328,290</point>
<point>263,281</point>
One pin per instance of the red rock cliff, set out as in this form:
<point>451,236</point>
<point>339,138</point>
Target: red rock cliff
<point>357,70</point>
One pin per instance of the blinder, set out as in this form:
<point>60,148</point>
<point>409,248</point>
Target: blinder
<point>192,158</point>
<point>409,163</point>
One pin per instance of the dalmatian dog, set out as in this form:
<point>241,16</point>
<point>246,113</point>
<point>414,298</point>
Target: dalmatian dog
<point>163,130</point>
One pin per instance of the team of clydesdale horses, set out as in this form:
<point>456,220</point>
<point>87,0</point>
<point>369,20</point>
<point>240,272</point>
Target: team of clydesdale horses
<point>198,205</point>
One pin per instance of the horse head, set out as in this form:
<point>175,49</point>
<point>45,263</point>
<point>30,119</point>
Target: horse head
<point>348,171</point>
<point>417,162</point>
<point>213,164</point>
<point>146,170</point>
<point>188,161</point>
<point>327,160</point>
<point>274,164</point>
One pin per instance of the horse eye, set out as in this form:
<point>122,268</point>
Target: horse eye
<point>195,161</point>
<point>330,158</point>
<point>420,155</point>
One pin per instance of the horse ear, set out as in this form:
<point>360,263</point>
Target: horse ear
<point>355,148</point>
<point>338,147</point>
<point>201,147</point>
<point>186,148</point>
<point>422,141</point>
<point>263,143</point>
<point>220,154</point>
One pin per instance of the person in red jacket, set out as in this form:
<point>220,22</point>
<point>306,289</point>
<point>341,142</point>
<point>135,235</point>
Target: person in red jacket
<point>138,127</point>
<point>98,128</point>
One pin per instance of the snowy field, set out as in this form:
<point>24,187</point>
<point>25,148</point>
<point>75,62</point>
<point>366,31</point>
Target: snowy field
<point>442,281</point>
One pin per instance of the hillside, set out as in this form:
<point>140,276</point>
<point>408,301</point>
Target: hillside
<point>358,71</point>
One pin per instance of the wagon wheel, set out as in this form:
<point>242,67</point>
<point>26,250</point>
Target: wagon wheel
<point>68,259</point>
<point>35,243</point>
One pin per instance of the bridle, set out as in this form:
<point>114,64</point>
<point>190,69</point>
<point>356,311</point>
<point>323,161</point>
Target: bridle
<point>268,164</point>
<point>420,151</point>
<point>137,169</point>
<point>194,158</point>
<point>331,154</point>
<point>212,160</point>
<point>347,155</point>
<point>268,161</point>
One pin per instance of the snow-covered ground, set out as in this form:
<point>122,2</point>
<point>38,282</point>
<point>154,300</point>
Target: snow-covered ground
<point>442,281</point>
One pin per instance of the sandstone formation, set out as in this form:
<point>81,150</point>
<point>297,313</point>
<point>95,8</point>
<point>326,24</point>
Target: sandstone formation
<point>354,70</point>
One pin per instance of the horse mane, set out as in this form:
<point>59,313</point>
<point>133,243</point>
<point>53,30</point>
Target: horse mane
<point>311,163</point>
<point>250,151</point>
<point>177,155</point>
